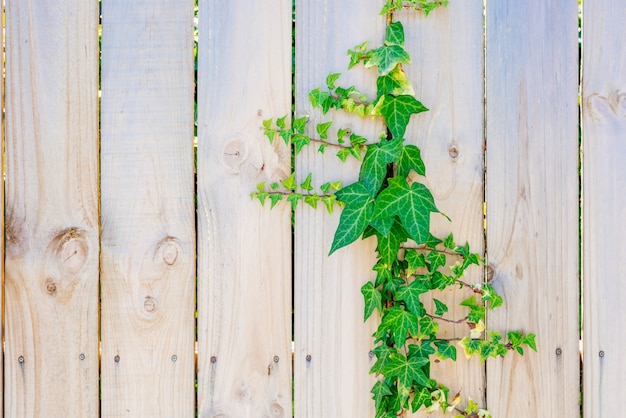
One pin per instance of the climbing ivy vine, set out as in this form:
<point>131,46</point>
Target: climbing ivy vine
<point>388,204</point>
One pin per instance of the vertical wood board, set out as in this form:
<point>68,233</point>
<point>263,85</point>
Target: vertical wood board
<point>532,203</point>
<point>446,71</point>
<point>51,276</point>
<point>244,249</point>
<point>604,213</point>
<point>332,343</point>
<point>148,243</point>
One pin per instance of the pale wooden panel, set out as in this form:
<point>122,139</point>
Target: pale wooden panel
<point>532,202</point>
<point>334,381</point>
<point>244,250</point>
<point>446,50</point>
<point>604,208</point>
<point>51,276</point>
<point>148,253</point>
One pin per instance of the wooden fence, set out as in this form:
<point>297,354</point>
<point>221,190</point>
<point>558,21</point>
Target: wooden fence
<point>123,300</point>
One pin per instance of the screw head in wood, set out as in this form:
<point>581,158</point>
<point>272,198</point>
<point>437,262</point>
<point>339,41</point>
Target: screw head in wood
<point>370,354</point>
<point>558,351</point>
<point>601,353</point>
<point>213,359</point>
<point>308,357</point>
<point>81,356</point>
<point>276,359</point>
<point>116,359</point>
<point>20,359</point>
<point>174,358</point>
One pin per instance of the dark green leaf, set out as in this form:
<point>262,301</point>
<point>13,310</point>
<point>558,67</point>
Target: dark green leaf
<point>395,83</point>
<point>448,242</point>
<point>399,323</point>
<point>397,111</point>
<point>275,198</point>
<point>373,299</point>
<point>425,349</point>
<point>374,167</point>
<point>413,204</point>
<point>428,327</point>
<point>293,199</point>
<point>422,397</point>
<point>354,217</point>
<point>410,296</point>
<point>440,307</point>
<point>407,371</point>
<point>383,225</point>
<point>436,260</point>
<point>411,159</point>
<point>380,390</point>
<point>446,350</point>
<point>395,34</point>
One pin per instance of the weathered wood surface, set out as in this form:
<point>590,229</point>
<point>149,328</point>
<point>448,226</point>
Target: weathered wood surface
<point>446,50</point>
<point>604,206</point>
<point>51,275</point>
<point>244,249</point>
<point>148,246</point>
<point>334,381</point>
<point>532,203</point>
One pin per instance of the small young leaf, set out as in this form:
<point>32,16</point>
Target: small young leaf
<point>312,200</point>
<point>306,185</point>
<point>322,148</point>
<point>293,199</point>
<point>343,154</point>
<point>299,124</point>
<point>322,129</point>
<point>330,80</point>
<point>440,307</point>
<point>448,242</point>
<point>436,260</point>
<point>373,299</point>
<point>275,198</point>
<point>299,141</point>
<point>329,202</point>
<point>290,182</point>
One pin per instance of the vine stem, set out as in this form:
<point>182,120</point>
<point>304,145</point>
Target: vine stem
<point>450,321</point>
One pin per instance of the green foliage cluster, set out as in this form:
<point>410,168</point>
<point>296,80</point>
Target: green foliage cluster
<point>388,204</point>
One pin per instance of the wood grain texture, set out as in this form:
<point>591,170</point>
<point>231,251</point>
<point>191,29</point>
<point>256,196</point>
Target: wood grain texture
<point>51,276</point>
<point>244,249</point>
<point>335,380</point>
<point>604,209</point>
<point>148,244</point>
<point>532,203</point>
<point>446,50</point>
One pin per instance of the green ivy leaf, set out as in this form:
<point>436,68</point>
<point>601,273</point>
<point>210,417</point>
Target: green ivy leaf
<point>428,327</point>
<point>290,182</point>
<point>448,242</point>
<point>299,142</point>
<point>299,124</point>
<point>329,202</point>
<point>373,299</point>
<point>374,167</point>
<point>491,296</point>
<point>415,260</point>
<point>322,129</point>
<point>354,217</point>
<point>446,350</point>
<point>395,83</point>
<point>425,349</point>
<point>294,198</point>
<point>436,260</point>
<point>395,34</point>
<point>411,203</point>
<point>312,200</point>
<point>400,323</point>
<point>330,80</point>
<point>529,340</point>
<point>382,352</point>
<point>441,281</point>
<point>410,296</point>
<point>389,245</point>
<point>422,398</point>
<point>380,390</point>
<point>411,159</point>
<point>440,307</point>
<point>275,198</point>
<point>306,185</point>
<point>387,57</point>
<point>406,371</point>
<point>397,111</point>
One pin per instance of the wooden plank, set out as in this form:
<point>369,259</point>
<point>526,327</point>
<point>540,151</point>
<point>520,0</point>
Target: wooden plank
<point>244,250</point>
<point>447,69</point>
<point>604,220</point>
<point>148,245</point>
<point>532,203</point>
<point>51,276</point>
<point>332,343</point>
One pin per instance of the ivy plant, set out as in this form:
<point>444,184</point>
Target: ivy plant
<point>389,204</point>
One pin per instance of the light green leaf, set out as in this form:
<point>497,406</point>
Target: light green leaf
<point>330,80</point>
<point>354,217</point>
<point>413,204</point>
<point>329,202</point>
<point>275,198</point>
<point>294,198</point>
<point>374,167</point>
<point>290,182</point>
<point>373,299</point>
<point>395,83</point>
<point>397,111</point>
<point>306,185</point>
<point>312,200</point>
<point>322,129</point>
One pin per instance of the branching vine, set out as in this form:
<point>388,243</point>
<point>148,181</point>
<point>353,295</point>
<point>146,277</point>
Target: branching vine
<point>388,204</point>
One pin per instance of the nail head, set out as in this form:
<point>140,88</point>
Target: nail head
<point>601,353</point>
<point>81,356</point>
<point>20,359</point>
<point>276,359</point>
<point>213,359</point>
<point>116,359</point>
<point>308,357</point>
<point>174,358</point>
<point>558,351</point>
<point>371,354</point>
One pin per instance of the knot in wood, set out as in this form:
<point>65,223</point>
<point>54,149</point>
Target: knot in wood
<point>150,304</point>
<point>167,251</point>
<point>51,287</point>
<point>234,155</point>
<point>71,249</point>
